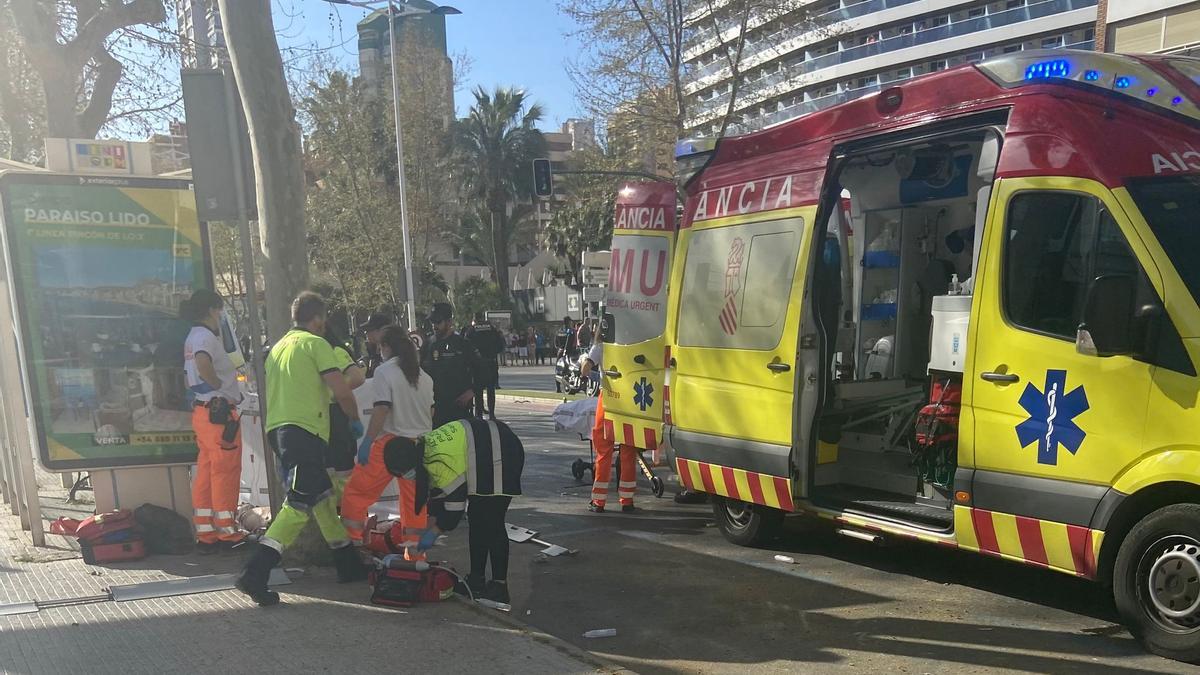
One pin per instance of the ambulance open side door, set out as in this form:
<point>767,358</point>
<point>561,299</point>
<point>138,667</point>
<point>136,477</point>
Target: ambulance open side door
<point>636,315</point>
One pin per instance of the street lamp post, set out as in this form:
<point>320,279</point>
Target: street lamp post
<point>410,303</point>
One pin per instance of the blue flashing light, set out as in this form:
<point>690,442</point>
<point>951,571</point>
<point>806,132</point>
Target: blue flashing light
<point>1091,75</point>
<point>1047,69</point>
<point>1177,100</point>
<point>1124,82</point>
<point>1152,91</point>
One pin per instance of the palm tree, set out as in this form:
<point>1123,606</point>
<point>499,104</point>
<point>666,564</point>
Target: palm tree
<point>496,145</point>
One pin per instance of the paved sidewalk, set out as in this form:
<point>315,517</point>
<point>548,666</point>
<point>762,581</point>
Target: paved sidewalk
<point>322,626</point>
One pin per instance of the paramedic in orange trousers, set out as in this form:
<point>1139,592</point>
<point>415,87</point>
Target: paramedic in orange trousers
<point>403,407</point>
<point>212,379</point>
<point>604,446</point>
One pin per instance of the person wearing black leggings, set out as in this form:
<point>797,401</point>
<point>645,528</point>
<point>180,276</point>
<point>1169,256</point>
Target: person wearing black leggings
<point>440,465</point>
<point>489,539</point>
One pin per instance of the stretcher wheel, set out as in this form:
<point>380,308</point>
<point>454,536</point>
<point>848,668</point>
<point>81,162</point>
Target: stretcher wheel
<point>578,467</point>
<point>656,484</point>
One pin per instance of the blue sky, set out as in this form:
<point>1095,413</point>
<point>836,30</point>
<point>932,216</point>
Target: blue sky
<point>511,42</point>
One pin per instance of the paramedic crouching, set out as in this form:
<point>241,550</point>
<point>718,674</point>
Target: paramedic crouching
<point>469,465</point>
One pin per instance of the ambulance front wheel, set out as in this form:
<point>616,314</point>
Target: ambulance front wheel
<point>1156,582</point>
<point>746,524</point>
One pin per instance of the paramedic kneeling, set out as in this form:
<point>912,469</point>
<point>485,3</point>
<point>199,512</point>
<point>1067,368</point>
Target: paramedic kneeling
<point>469,464</point>
<point>403,407</point>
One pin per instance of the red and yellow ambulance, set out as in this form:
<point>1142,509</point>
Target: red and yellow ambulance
<point>995,348</point>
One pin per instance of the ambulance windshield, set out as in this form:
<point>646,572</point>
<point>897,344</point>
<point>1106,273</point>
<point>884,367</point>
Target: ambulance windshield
<point>1171,205</point>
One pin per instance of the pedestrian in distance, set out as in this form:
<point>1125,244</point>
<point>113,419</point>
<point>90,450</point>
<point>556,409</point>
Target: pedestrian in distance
<point>541,348</point>
<point>489,344</point>
<point>473,466</point>
<point>302,373</point>
<point>454,366</point>
<point>212,381</point>
<point>403,408</point>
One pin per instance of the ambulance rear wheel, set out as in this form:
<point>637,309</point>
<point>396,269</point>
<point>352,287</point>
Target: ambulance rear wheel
<point>1156,582</point>
<point>746,524</point>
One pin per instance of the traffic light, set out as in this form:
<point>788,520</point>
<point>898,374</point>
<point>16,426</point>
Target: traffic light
<point>543,178</point>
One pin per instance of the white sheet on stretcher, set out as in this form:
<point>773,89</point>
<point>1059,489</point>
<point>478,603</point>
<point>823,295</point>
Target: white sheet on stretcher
<point>576,416</point>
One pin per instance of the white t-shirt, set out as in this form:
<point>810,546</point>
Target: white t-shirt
<point>412,407</point>
<point>596,354</point>
<point>202,340</point>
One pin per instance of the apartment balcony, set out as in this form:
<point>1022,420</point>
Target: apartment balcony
<point>813,105</point>
<point>920,37</point>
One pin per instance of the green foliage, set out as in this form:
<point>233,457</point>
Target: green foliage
<point>475,295</point>
<point>352,214</point>
<point>495,146</point>
<point>583,226</point>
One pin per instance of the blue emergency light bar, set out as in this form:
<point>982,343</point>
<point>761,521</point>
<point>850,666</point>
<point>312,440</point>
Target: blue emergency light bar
<point>1115,73</point>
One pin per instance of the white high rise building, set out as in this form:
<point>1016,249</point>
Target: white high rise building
<point>1149,26</point>
<point>201,33</point>
<point>857,47</point>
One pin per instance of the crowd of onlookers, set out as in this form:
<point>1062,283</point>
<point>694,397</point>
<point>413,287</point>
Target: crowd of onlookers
<point>538,346</point>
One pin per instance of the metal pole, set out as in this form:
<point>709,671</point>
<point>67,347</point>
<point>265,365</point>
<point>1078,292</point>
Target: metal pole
<point>410,304</point>
<point>274,493</point>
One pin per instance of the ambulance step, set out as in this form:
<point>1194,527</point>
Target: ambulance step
<point>894,506</point>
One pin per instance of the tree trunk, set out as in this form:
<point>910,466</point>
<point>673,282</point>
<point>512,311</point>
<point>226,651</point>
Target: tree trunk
<point>278,162</point>
<point>500,225</point>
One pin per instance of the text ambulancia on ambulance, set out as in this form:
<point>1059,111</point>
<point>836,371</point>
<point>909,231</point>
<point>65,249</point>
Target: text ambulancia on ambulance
<point>961,310</point>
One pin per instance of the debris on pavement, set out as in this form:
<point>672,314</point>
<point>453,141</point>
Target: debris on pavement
<point>492,604</point>
<point>601,633</point>
<point>786,559</point>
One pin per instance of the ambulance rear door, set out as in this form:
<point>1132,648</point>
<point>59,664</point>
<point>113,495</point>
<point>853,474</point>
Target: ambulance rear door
<point>636,314</point>
<point>736,298</point>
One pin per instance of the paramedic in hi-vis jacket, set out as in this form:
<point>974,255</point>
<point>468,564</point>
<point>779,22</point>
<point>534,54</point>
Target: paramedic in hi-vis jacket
<point>303,373</point>
<point>469,465</point>
<point>212,380</point>
<point>605,446</point>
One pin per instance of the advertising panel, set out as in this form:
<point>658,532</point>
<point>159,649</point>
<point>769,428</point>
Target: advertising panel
<point>99,267</point>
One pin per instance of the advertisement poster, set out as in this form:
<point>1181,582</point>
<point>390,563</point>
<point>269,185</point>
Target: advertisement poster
<point>99,267</point>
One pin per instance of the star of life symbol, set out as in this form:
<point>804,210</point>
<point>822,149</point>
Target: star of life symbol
<point>643,394</point>
<point>1052,412</point>
<point>733,284</point>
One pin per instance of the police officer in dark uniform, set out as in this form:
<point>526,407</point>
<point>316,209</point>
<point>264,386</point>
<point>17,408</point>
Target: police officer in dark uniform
<point>372,329</point>
<point>489,343</point>
<point>454,366</point>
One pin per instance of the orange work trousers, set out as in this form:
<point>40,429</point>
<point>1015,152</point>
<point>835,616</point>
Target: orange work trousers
<point>602,469</point>
<point>216,481</point>
<point>367,482</point>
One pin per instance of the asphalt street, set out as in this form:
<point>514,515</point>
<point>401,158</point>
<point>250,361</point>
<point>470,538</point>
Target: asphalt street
<point>682,599</point>
<point>528,378</point>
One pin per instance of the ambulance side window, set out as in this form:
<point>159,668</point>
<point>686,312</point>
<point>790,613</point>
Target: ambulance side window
<point>736,285</point>
<point>1056,244</point>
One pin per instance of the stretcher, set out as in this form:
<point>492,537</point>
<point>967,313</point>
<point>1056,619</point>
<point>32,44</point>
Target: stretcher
<point>578,417</point>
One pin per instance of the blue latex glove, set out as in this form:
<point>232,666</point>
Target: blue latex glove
<point>428,538</point>
<point>364,451</point>
<point>356,428</point>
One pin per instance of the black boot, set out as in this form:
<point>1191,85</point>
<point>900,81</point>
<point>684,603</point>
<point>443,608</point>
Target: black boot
<point>473,588</point>
<point>497,591</point>
<point>253,581</point>
<point>349,565</point>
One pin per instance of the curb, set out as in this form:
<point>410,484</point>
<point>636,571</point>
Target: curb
<point>547,639</point>
<point>527,396</point>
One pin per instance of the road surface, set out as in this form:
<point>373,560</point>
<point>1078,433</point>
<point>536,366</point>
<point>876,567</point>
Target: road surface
<point>528,378</point>
<point>684,600</point>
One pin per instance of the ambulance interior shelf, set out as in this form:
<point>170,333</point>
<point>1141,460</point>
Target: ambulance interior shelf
<point>907,243</point>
